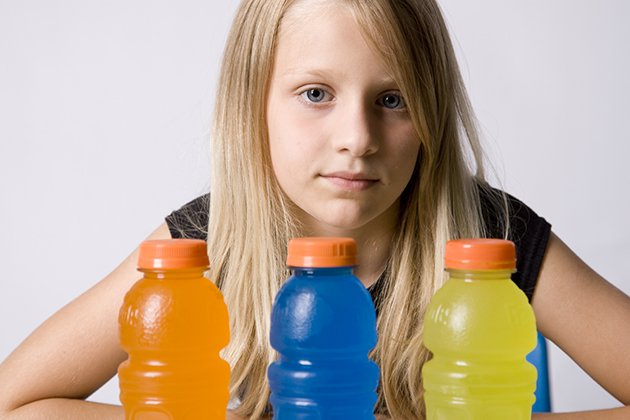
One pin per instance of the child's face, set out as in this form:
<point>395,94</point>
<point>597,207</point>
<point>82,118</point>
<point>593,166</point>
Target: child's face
<point>343,146</point>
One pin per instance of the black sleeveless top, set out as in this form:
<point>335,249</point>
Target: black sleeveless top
<point>527,230</point>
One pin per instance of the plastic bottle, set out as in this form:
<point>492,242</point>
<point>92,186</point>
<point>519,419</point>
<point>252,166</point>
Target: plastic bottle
<point>480,327</point>
<point>323,325</point>
<point>172,324</point>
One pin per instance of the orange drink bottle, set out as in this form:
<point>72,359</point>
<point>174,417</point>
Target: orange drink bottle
<point>480,327</point>
<point>172,324</point>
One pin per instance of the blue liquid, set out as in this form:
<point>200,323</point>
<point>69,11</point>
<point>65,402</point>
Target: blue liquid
<point>323,325</point>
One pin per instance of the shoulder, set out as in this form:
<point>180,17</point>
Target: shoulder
<point>507,217</point>
<point>191,220</point>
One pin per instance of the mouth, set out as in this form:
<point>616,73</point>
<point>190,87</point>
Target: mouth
<point>350,181</point>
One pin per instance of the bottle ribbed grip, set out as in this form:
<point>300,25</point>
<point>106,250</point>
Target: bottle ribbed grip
<point>480,254</point>
<point>173,254</point>
<point>322,252</point>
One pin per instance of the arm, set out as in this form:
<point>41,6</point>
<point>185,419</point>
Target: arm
<point>71,355</point>
<point>589,319</point>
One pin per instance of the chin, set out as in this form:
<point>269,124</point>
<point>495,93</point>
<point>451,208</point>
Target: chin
<point>344,223</point>
<point>337,217</point>
<point>345,218</point>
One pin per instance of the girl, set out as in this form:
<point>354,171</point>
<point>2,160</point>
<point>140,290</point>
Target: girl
<point>335,118</point>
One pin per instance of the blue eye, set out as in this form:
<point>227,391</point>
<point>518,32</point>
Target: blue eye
<point>392,101</point>
<point>314,95</point>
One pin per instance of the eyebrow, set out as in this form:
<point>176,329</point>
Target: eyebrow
<point>310,72</point>
<point>325,72</point>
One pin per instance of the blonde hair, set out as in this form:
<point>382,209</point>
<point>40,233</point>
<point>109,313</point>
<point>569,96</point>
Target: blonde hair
<point>250,217</point>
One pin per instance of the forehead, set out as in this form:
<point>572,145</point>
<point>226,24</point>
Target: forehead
<point>316,33</point>
<point>303,9</point>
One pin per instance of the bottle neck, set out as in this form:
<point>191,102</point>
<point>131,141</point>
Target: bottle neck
<point>180,273</point>
<point>322,271</point>
<point>480,274</point>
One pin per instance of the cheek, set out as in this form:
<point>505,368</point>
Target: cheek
<point>288,150</point>
<point>405,169</point>
<point>294,141</point>
<point>278,133</point>
<point>280,156</point>
<point>411,154</point>
<point>405,150</point>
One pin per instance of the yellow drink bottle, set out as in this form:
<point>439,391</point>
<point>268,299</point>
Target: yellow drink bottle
<point>172,324</point>
<point>479,327</point>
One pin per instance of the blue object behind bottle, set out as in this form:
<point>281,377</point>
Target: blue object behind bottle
<point>323,325</point>
<point>538,358</point>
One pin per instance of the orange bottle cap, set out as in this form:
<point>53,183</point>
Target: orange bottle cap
<point>173,254</point>
<point>480,254</point>
<point>322,252</point>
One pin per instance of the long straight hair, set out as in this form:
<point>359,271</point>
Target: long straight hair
<point>251,220</point>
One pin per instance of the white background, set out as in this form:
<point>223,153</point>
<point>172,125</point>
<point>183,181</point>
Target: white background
<point>104,108</point>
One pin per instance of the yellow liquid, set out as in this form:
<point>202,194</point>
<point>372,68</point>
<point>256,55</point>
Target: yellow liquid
<point>479,327</point>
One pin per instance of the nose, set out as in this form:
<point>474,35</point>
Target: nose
<point>355,130</point>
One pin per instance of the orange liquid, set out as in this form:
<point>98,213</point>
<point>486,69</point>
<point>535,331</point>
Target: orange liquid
<point>172,324</point>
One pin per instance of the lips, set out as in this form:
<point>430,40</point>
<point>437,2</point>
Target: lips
<point>351,181</point>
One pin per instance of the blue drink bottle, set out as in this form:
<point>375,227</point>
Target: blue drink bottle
<point>323,325</point>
